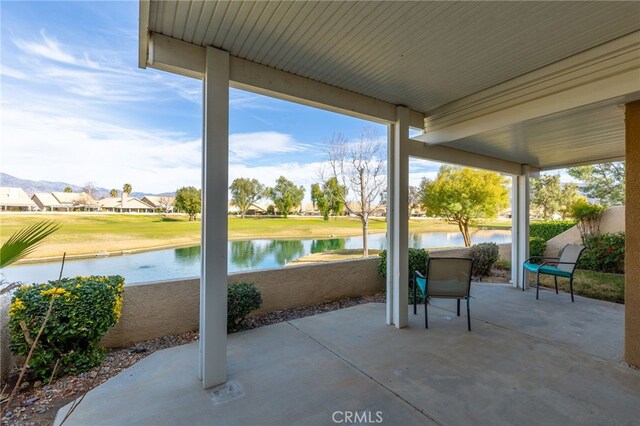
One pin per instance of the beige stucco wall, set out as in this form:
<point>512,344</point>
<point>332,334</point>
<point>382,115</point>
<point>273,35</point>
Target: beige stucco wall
<point>613,220</point>
<point>504,251</point>
<point>632,237</point>
<point>158,309</point>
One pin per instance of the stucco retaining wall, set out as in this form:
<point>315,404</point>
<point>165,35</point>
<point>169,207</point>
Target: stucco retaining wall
<point>612,221</point>
<point>158,309</point>
<point>504,252</point>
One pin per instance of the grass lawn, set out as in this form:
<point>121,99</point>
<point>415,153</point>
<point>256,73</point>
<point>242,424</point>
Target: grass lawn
<point>596,285</point>
<point>90,233</point>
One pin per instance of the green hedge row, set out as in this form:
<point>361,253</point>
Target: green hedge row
<point>549,229</point>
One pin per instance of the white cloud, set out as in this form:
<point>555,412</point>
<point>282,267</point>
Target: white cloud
<point>246,146</point>
<point>7,71</point>
<point>49,48</point>
<point>77,150</point>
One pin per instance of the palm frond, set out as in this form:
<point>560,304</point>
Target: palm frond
<point>25,241</point>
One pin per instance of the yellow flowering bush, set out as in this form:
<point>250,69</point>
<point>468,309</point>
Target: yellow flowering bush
<point>84,308</point>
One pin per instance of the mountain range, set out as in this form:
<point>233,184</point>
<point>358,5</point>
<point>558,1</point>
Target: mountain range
<point>33,186</point>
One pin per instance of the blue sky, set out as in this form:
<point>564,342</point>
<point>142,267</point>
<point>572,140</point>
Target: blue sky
<point>76,108</point>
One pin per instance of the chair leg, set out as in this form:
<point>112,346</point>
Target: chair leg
<point>524,277</point>
<point>458,307</point>
<point>556,281</point>
<point>415,303</point>
<point>537,284</point>
<point>426,317</point>
<point>468,315</point>
<point>571,287</point>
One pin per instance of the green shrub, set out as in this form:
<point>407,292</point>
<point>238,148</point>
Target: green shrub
<point>417,262</point>
<point>484,256</point>
<point>84,308</point>
<point>549,229</point>
<point>537,247</point>
<point>242,298</point>
<point>503,264</point>
<point>588,217</point>
<point>604,253</point>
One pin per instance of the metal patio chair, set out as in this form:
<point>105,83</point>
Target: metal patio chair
<point>447,278</point>
<point>564,266</point>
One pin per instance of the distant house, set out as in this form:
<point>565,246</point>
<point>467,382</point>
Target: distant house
<point>47,202</point>
<point>124,204</point>
<point>15,199</point>
<point>64,201</point>
<point>159,203</point>
<point>75,201</point>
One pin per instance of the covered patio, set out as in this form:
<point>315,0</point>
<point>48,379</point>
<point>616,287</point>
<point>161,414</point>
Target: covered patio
<point>525,362</point>
<point>514,87</point>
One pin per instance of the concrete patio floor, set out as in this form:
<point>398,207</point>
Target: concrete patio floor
<point>525,362</point>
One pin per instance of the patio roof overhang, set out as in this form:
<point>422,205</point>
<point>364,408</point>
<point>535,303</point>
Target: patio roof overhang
<point>526,83</point>
<point>514,87</point>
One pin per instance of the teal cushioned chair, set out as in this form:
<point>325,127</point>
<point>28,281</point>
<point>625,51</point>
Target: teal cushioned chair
<point>448,278</point>
<point>564,266</point>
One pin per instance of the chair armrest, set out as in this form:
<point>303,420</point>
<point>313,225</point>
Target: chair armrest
<point>418,274</point>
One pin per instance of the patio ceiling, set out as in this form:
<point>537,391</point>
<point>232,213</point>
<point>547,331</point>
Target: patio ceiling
<point>434,56</point>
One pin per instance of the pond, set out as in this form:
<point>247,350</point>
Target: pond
<point>244,255</point>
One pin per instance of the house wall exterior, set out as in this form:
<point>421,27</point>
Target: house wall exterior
<point>632,235</point>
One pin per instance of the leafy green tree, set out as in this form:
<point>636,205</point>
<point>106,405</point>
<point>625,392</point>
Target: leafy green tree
<point>602,182</point>
<point>68,189</point>
<point>286,195</point>
<point>316,195</point>
<point>462,195</point>
<point>113,193</point>
<point>550,196</point>
<point>126,188</point>
<point>189,200</point>
<point>329,198</point>
<point>570,196</point>
<point>245,192</point>
<point>546,193</point>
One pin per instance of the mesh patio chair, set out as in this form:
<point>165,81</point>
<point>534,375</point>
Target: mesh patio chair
<point>564,266</point>
<point>447,278</point>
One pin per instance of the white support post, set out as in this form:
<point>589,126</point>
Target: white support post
<point>215,177</point>
<point>400,216</point>
<point>519,226</point>
<point>391,214</point>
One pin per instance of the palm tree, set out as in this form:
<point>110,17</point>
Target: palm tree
<point>25,241</point>
<point>113,193</point>
<point>126,188</point>
<point>68,189</point>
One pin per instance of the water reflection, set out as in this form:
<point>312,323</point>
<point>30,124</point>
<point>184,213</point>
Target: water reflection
<point>247,254</point>
<point>243,256</point>
<point>285,251</point>
<point>187,255</point>
<point>319,246</point>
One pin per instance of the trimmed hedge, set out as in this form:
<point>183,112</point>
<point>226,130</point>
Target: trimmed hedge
<point>242,299</point>
<point>417,262</point>
<point>84,308</point>
<point>537,247</point>
<point>549,229</point>
<point>604,253</point>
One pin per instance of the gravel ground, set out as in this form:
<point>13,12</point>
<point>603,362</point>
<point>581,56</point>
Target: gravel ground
<point>37,405</point>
